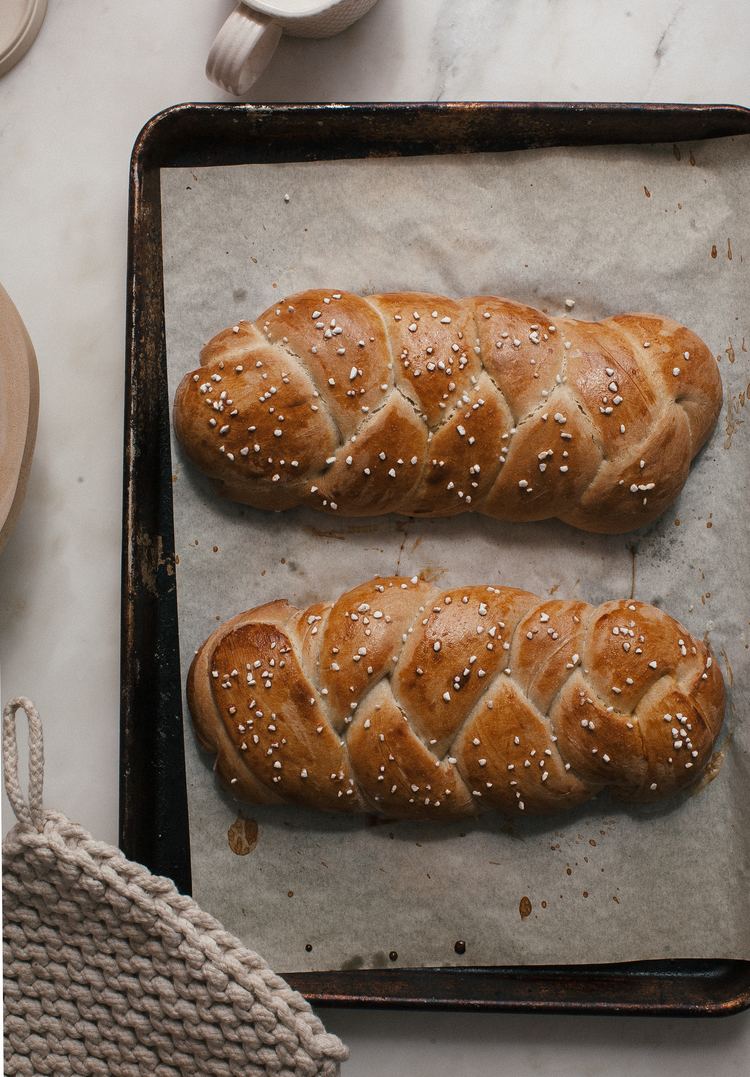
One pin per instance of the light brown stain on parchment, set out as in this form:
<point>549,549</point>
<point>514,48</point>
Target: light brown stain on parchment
<point>404,528</point>
<point>432,573</point>
<point>735,417</point>
<point>633,551</point>
<point>727,663</point>
<point>710,771</point>
<point>350,529</point>
<point>715,763</point>
<point>524,907</point>
<point>731,354</point>
<point>242,835</point>
<point>730,252</point>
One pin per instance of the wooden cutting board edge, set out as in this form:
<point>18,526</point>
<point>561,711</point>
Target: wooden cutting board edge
<point>19,409</point>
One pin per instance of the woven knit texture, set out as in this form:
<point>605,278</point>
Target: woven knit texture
<point>110,971</point>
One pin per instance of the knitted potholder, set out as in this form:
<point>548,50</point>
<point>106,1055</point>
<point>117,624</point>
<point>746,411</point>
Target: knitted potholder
<point>108,970</point>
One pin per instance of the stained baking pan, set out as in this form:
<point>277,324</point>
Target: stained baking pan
<point>153,797</point>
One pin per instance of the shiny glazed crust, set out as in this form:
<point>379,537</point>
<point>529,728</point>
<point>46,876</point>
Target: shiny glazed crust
<point>423,405</point>
<point>411,702</point>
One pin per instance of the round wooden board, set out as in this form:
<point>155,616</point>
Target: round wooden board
<point>19,411</point>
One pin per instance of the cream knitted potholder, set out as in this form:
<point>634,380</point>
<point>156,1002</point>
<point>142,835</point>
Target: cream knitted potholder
<point>110,971</point>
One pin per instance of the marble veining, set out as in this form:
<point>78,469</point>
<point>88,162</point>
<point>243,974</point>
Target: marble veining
<point>69,113</point>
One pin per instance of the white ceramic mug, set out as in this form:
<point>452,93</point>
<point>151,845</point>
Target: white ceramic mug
<point>248,39</point>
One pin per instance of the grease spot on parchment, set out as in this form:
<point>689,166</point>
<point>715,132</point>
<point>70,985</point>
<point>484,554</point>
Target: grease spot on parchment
<point>432,573</point>
<point>355,962</point>
<point>242,835</point>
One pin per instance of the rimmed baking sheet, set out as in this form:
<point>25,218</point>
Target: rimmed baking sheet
<point>617,229</point>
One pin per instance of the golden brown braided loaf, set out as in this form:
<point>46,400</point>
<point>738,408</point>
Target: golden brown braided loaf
<point>414,702</point>
<point>420,405</point>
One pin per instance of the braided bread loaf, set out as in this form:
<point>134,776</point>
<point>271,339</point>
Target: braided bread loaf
<point>421,405</point>
<point>413,702</point>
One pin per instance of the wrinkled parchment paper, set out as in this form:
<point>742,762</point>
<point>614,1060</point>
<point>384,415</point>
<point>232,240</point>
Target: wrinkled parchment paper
<point>661,228</point>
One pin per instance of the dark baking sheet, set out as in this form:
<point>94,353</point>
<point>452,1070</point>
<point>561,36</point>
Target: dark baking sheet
<point>153,802</point>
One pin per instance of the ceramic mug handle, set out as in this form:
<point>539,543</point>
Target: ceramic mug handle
<point>242,50</point>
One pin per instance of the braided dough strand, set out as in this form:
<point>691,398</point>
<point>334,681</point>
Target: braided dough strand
<point>412,702</point>
<point>423,405</point>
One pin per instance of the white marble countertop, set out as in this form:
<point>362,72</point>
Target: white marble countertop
<point>69,114</point>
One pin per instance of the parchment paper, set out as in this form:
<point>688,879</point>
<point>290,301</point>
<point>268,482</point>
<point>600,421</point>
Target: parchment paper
<point>617,229</point>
